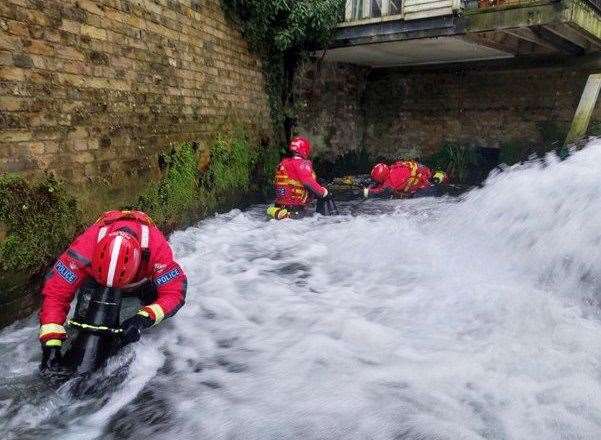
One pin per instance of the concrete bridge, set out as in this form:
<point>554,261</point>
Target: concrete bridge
<point>384,33</point>
<point>437,34</point>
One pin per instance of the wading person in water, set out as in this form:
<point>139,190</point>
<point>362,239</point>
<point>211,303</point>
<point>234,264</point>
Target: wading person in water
<point>295,182</point>
<point>122,250</point>
<point>404,179</point>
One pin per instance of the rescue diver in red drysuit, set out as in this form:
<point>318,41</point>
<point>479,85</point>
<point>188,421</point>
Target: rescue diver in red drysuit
<point>125,250</point>
<point>295,182</point>
<point>404,179</point>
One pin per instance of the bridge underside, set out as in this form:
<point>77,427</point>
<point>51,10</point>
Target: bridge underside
<point>437,50</point>
<point>534,30</point>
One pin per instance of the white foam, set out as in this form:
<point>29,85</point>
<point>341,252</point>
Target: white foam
<point>432,320</point>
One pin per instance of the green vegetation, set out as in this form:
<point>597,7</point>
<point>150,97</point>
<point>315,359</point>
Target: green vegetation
<point>186,191</point>
<point>281,32</point>
<point>232,162</point>
<point>174,197</point>
<point>38,218</point>
<point>457,160</point>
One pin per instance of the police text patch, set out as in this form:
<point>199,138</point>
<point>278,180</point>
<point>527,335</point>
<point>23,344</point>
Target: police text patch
<point>166,278</point>
<point>67,274</point>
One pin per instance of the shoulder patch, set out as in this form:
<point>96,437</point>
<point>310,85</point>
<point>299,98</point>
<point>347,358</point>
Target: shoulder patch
<point>167,278</point>
<point>67,274</point>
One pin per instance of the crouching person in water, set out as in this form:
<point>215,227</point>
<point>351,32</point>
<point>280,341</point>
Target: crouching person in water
<point>122,250</point>
<point>295,182</point>
<point>405,179</point>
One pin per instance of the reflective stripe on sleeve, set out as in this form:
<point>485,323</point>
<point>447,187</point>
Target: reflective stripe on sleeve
<point>155,312</point>
<point>54,343</point>
<point>52,331</point>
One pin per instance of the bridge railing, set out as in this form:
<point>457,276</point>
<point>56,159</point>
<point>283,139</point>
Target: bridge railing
<point>380,10</point>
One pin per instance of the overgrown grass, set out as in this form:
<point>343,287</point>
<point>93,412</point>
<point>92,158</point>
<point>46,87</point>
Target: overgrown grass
<point>457,160</point>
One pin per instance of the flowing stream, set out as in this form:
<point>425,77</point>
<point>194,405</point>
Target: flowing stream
<point>464,318</point>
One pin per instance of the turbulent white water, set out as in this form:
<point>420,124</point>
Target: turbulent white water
<point>432,319</point>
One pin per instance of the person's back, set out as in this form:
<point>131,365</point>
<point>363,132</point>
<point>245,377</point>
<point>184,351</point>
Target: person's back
<point>402,178</point>
<point>295,181</point>
<point>289,187</point>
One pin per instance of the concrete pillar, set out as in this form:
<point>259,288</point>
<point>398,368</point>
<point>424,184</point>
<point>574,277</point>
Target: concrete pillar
<point>585,108</point>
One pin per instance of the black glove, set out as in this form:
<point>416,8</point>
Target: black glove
<point>132,328</point>
<point>51,359</point>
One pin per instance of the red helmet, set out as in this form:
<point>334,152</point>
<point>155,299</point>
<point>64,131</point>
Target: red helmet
<point>300,145</point>
<point>116,259</point>
<point>380,172</point>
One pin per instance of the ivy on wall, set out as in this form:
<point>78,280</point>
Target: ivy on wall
<point>282,32</point>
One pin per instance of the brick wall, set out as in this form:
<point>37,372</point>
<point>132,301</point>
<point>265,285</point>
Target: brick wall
<point>420,110</point>
<point>395,113</point>
<point>328,97</point>
<point>94,89</point>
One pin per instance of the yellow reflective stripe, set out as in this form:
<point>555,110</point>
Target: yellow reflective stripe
<point>144,313</point>
<point>277,213</point>
<point>46,329</point>
<point>287,181</point>
<point>101,328</point>
<point>158,312</point>
<point>54,343</point>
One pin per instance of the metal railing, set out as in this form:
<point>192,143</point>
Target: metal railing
<point>369,10</point>
<point>365,9</point>
<point>380,10</point>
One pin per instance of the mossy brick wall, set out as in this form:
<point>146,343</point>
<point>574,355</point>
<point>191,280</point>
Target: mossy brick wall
<point>417,111</point>
<point>396,113</point>
<point>91,90</point>
<point>329,109</point>
<point>94,91</point>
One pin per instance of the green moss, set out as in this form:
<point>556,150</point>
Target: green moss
<point>186,192</point>
<point>457,160</point>
<point>39,219</point>
<point>177,197</point>
<point>232,163</point>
